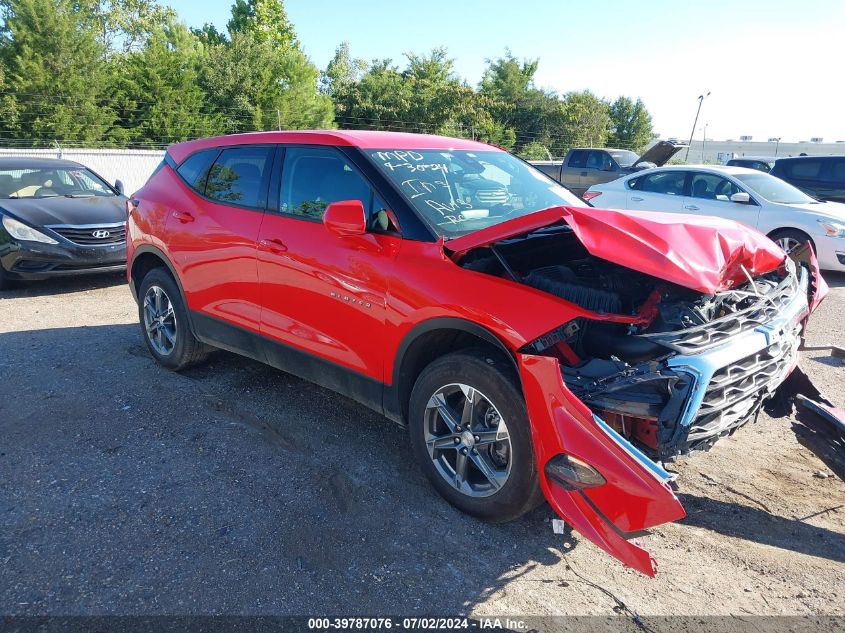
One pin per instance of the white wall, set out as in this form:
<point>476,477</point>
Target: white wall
<point>132,166</point>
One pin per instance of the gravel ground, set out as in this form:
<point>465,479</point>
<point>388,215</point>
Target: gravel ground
<point>234,488</point>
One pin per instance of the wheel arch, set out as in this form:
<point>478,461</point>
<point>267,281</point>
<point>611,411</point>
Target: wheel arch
<point>146,258</point>
<point>428,341</point>
<point>782,229</point>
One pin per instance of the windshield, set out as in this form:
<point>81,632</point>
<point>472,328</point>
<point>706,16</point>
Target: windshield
<point>459,191</point>
<point>774,189</point>
<point>624,157</point>
<point>52,182</point>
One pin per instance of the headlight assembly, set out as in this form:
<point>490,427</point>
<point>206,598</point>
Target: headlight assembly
<point>21,231</point>
<point>832,229</point>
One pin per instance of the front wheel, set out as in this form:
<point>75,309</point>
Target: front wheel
<point>789,239</point>
<point>470,433</point>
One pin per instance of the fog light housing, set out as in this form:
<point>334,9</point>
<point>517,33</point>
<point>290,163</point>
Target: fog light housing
<point>572,473</point>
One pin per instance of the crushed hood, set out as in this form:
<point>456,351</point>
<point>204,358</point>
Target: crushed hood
<point>704,254</point>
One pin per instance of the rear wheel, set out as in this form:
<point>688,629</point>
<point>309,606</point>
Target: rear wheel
<point>789,239</point>
<point>469,431</point>
<point>164,322</point>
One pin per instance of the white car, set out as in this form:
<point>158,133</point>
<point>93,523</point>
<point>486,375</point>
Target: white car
<point>770,205</point>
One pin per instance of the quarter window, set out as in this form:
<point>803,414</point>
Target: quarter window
<point>313,178</point>
<point>194,168</point>
<point>239,176</point>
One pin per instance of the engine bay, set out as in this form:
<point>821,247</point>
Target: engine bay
<point>616,358</point>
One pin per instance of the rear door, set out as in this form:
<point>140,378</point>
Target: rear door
<point>575,170</point>
<point>323,294</point>
<point>710,194</point>
<point>661,190</point>
<point>599,168</point>
<point>212,233</point>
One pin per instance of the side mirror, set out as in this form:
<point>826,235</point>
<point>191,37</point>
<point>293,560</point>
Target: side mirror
<point>118,184</point>
<point>345,218</point>
<point>741,197</point>
<point>607,168</point>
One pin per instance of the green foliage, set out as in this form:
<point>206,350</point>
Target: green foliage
<point>127,72</point>
<point>630,124</point>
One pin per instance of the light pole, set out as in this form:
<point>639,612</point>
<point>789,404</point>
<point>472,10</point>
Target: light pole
<point>704,143</point>
<point>701,99</point>
<point>777,144</point>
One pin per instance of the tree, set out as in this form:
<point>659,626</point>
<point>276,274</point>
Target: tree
<point>256,85</point>
<point>266,20</point>
<point>168,67</point>
<point>209,35</point>
<point>55,61</point>
<point>342,71</point>
<point>585,121</point>
<point>630,124</point>
<point>126,25</point>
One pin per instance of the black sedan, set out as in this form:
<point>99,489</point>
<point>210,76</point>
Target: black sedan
<point>57,218</point>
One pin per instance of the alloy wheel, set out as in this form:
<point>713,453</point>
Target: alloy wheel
<point>788,244</point>
<point>467,440</point>
<point>159,320</point>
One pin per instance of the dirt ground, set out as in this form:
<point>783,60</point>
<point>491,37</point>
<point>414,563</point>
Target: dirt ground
<point>234,488</point>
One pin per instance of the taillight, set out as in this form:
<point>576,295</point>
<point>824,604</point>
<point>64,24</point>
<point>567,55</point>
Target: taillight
<point>589,195</point>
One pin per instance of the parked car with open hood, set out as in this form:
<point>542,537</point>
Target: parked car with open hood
<point>58,218</point>
<point>533,346</point>
<point>770,205</point>
<point>582,168</point>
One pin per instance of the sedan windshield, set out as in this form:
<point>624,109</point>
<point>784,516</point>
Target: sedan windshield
<point>459,191</point>
<point>51,182</point>
<point>624,157</point>
<point>774,189</point>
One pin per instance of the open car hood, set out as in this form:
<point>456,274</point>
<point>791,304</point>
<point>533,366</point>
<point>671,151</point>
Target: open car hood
<point>659,153</point>
<point>704,254</point>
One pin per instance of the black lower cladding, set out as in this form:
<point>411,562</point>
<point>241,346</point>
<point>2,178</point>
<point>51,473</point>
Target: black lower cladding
<point>343,380</point>
<point>35,260</point>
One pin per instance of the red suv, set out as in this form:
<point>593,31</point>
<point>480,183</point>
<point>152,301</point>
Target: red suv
<point>533,346</point>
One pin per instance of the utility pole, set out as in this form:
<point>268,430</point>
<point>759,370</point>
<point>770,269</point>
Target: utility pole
<point>701,99</point>
<point>279,118</point>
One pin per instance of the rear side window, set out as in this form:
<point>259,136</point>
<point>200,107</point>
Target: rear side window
<point>578,158</point>
<point>312,178</point>
<point>240,175</point>
<point>667,182</point>
<point>838,171</point>
<point>805,169</point>
<point>194,168</point>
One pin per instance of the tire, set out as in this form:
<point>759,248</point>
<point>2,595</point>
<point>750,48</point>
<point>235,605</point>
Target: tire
<point>171,341</point>
<point>790,239</point>
<point>491,384</point>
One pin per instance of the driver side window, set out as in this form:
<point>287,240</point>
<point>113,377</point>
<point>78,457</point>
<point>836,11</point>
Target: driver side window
<point>712,187</point>
<point>314,177</point>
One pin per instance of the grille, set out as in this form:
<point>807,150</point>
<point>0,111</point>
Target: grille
<point>697,339</point>
<point>736,391</point>
<point>92,235</point>
<point>491,196</point>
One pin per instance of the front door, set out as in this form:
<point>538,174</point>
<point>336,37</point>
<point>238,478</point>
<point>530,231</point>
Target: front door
<point>322,294</point>
<point>710,194</point>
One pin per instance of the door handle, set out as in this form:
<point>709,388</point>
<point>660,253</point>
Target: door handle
<point>274,246</point>
<point>690,207</point>
<point>183,216</point>
<point>585,173</point>
<point>636,199</point>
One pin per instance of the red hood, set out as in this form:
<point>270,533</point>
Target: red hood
<point>704,254</point>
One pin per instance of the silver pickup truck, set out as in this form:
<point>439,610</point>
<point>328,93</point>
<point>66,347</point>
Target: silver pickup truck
<point>582,168</point>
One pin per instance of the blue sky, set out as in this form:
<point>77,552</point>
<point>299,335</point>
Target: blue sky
<point>774,68</point>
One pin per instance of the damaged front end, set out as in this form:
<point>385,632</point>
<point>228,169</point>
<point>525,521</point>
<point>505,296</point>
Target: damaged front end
<point>648,368</point>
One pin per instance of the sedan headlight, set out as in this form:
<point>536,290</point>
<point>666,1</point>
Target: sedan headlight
<point>21,231</point>
<point>832,229</point>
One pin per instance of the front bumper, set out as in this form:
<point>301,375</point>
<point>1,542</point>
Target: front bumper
<point>831,252</point>
<point>34,260</point>
<point>729,378</point>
